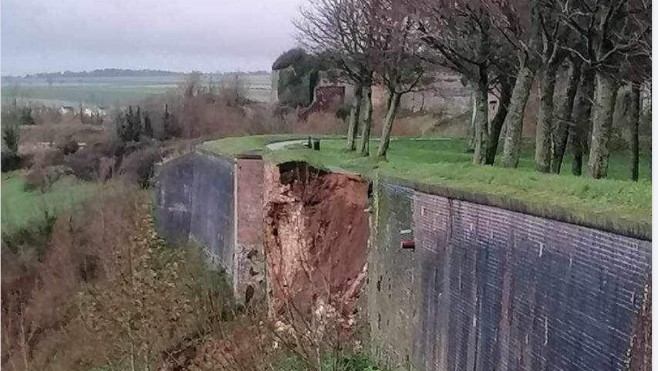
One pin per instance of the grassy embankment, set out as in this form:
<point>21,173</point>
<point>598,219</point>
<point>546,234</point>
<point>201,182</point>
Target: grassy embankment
<point>442,166</point>
<point>21,208</point>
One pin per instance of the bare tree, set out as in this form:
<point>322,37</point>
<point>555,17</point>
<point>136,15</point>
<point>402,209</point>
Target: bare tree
<point>344,31</point>
<point>610,30</point>
<point>503,84</point>
<point>462,36</point>
<point>563,117</point>
<point>399,62</point>
<point>553,33</point>
<point>518,23</point>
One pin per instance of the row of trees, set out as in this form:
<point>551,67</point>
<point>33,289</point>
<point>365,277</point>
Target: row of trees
<point>499,47</point>
<point>132,125</point>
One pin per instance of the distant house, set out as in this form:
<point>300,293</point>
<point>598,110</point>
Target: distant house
<point>66,110</point>
<point>447,95</point>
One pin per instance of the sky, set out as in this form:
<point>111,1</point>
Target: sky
<point>176,35</point>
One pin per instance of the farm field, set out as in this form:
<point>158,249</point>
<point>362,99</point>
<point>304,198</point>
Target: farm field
<point>111,91</point>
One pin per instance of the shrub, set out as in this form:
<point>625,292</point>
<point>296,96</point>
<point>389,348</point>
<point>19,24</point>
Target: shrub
<point>37,180</point>
<point>84,164</point>
<point>10,161</point>
<point>139,166</point>
<point>48,157</point>
<point>69,147</point>
<point>10,137</point>
<point>292,57</point>
<point>41,178</point>
<point>26,116</point>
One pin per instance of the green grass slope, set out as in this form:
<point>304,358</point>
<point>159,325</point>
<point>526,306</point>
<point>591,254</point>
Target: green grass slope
<point>21,208</point>
<point>443,167</point>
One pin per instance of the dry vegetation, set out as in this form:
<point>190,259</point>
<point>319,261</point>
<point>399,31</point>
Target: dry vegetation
<point>94,287</point>
<point>108,294</point>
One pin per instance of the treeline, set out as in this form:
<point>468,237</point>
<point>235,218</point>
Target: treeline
<point>500,47</point>
<point>105,72</point>
<point>119,72</point>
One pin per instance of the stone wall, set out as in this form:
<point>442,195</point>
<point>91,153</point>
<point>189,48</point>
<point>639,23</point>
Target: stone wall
<point>483,287</point>
<point>487,288</point>
<point>216,202</point>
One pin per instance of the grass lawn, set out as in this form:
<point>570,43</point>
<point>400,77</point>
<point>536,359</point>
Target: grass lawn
<point>21,208</point>
<point>614,203</point>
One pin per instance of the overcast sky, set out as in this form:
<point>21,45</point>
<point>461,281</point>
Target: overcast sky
<point>177,35</point>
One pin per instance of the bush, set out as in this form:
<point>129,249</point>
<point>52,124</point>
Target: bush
<point>10,161</point>
<point>139,166</point>
<point>10,137</point>
<point>84,164</point>
<point>41,178</point>
<point>26,116</point>
<point>292,57</point>
<point>49,157</point>
<point>69,147</point>
<point>37,180</point>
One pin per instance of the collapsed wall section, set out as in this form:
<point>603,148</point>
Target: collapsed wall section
<point>487,288</point>
<point>316,236</point>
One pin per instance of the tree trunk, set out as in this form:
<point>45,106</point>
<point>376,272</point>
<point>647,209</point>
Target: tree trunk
<point>544,132</point>
<point>581,117</point>
<point>388,124</point>
<point>604,107</point>
<point>389,100</point>
<point>498,120</point>
<point>634,122</point>
<point>563,119</point>
<point>514,120</point>
<point>367,120</point>
<point>471,128</point>
<point>481,118</point>
<point>353,124</point>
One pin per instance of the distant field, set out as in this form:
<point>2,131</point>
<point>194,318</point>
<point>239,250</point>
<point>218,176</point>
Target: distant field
<point>111,91</point>
<point>21,208</point>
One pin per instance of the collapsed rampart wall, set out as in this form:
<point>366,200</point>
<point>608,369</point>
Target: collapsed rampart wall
<point>477,287</point>
<point>316,237</point>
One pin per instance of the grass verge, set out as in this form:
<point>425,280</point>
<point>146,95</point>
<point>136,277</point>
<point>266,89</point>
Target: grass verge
<point>443,167</point>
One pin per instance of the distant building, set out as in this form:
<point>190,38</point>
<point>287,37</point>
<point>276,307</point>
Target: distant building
<point>66,110</point>
<point>447,95</point>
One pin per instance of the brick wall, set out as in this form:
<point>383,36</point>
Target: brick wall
<point>487,288</point>
<point>249,257</point>
<point>326,98</point>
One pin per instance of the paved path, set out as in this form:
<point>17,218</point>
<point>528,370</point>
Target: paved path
<point>282,145</point>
